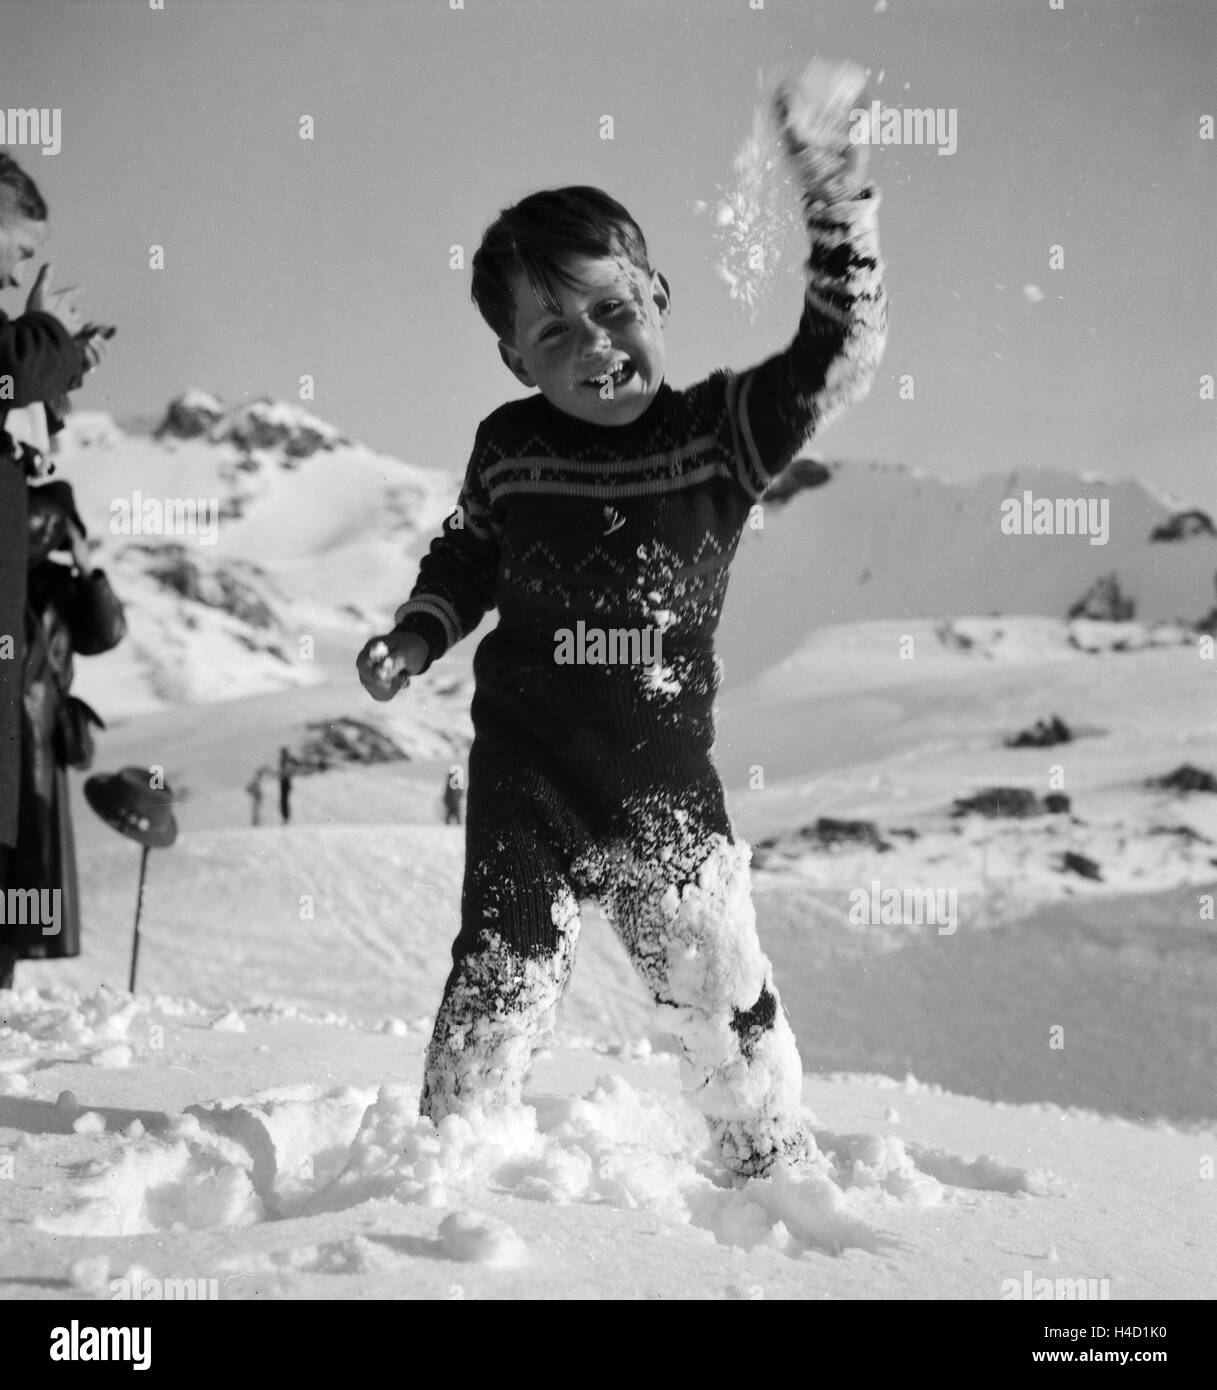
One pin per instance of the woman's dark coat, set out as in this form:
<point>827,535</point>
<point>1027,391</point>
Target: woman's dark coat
<point>67,611</point>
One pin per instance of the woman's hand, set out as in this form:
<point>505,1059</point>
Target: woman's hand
<point>60,304</point>
<point>94,339</point>
<point>80,550</point>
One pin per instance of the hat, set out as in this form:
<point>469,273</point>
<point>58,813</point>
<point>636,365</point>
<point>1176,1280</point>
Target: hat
<point>126,802</point>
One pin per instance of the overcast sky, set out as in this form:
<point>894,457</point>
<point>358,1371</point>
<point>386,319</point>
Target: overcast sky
<point>329,257</point>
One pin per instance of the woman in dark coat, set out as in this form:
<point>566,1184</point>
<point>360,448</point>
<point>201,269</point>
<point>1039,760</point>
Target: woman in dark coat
<point>70,608</point>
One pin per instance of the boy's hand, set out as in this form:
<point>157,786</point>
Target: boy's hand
<point>386,663</point>
<point>60,304</point>
<point>813,115</point>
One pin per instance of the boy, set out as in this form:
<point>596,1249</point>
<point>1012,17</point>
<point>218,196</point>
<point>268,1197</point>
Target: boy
<point>612,503</point>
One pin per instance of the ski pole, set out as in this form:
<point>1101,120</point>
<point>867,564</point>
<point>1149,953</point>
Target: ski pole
<point>139,907</point>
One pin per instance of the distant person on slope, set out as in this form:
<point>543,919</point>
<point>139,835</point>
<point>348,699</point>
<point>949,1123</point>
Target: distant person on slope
<point>286,768</point>
<point>254,788</point>
<point>453,795</point>
<point>607,506</point>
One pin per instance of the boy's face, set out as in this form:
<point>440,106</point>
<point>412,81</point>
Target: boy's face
<point>19,243</point>
<point>613,319</point>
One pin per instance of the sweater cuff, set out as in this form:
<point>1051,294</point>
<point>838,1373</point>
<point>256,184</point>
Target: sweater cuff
<point>430,629</point>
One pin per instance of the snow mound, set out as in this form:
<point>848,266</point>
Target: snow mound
<point>191,1182</point>
<point>479,1239</point>
<point>297,1152</point>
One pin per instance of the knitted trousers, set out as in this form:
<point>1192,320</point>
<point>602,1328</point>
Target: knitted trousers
<point>592,799</point>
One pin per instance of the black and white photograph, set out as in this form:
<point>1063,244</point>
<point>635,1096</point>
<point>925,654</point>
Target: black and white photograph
<point>608,664</point>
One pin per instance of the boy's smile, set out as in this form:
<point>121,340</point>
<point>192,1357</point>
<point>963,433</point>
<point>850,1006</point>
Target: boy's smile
<point>602,359</point>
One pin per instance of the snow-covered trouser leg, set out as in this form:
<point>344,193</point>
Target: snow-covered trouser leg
<point>519,927</point>
<point>681,902</point>
<point>497,1009</point>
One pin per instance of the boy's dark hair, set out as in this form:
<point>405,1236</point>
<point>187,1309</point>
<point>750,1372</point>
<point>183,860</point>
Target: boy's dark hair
<point>19,194</point>
<point>537,237</point>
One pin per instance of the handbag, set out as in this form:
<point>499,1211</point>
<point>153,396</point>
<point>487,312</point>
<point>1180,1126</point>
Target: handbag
<point>73,740</point>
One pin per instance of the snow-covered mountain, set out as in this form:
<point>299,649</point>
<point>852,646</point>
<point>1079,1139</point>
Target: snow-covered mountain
<point>242,539</point>
<point>879,541</point>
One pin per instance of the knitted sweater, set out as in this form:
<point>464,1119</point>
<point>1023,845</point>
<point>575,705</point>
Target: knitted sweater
<point>634,526</point>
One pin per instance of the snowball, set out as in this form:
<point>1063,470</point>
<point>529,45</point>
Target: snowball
<point>90,1273</point>
<point>134,1130</point>
<point>561,1175</point>
<point>136,1277</point>
<point>90,1123</point>
<point>117,1056</point>
<point>481,1239</point>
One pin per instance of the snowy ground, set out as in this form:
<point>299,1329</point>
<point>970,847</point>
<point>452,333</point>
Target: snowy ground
<point>1029,1095</point>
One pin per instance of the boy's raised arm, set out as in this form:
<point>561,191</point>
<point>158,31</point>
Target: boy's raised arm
<point>456,578</point>
<point>777,406</point>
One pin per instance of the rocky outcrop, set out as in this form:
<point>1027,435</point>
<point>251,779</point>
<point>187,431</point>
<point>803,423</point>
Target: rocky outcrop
<point>344,740</point>
<point>1104,602</point>
<point>176,568</point>
<point>1185,778</point>
<point>189,415</point>
<point>1184,526</point>
<point>1000,803</point>
<point>262,425</point>
<point>1042,734</point>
